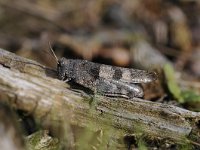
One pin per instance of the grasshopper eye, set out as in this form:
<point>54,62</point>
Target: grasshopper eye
<point>62,63</point>
<point>61,70</point>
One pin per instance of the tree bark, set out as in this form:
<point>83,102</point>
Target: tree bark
<point>32,87</point>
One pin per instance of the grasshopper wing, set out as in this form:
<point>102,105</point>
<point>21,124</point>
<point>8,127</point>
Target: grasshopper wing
<point>126,75</point>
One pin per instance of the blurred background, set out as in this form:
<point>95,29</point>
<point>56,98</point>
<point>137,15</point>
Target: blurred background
<point>103,30</point>
<point>143,34</point>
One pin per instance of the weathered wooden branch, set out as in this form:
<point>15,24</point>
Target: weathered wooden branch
<point>30,86</point>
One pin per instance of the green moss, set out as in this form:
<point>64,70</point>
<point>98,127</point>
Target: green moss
<point>42,141</point>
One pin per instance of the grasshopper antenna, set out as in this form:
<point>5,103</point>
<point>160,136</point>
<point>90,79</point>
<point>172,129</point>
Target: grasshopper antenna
<point>53,53</point>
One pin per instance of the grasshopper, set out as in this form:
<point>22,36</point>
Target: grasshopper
<point>104,79</point>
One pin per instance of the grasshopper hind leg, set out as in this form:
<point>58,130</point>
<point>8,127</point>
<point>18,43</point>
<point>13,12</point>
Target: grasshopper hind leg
<point>115,88</point>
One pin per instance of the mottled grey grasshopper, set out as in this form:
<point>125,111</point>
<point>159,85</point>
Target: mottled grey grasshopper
<point>104,79</point>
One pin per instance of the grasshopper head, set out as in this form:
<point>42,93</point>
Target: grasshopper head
<point>64,69</point>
